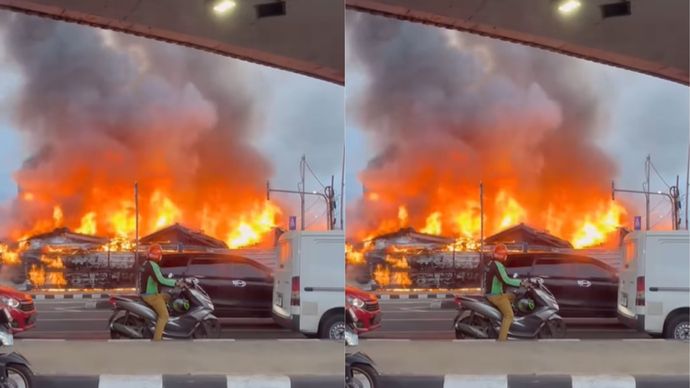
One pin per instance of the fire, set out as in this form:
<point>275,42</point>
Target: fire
<point>403,216</point>
<point>252,226</point>
<point>513,213</point>
<point>598,225</point>
<point>88,224</point>
<point>57,216</point>
<point>167,211</point>
<point>352,256</point>
<point>40,278</point>
<point>8,256</point>
<point>394,273</point>
<point>468,220</point>
<point>433,224</point>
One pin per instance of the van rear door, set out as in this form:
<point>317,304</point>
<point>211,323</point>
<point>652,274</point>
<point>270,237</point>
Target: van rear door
<point>282,278</point>
<point>631,268</point>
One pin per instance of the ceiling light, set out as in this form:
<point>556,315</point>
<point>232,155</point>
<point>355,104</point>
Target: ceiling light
<point>224,6</point>
<point>569,6</point>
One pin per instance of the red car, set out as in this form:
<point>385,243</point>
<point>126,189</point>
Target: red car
<point>21,307</point>
<point>366,307</point>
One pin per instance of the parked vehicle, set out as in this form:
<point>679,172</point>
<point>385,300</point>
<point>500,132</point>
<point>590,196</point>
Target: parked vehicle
<point>537,315</point>
<point>584,287</point>
<point>21,307</point>
<point>360,370</point>
<point>238,287</point>
<point>15,371</point>
<point>309,289</point>
<point>365,306</point>
<point>655,283</point>
<point>134,319</point>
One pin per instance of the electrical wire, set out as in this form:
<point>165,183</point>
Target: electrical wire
<point>314,174</point>
<point>659,175</point>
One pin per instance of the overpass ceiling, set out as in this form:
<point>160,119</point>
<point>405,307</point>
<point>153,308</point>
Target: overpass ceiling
<point>308,39</point>
<point>653,39</point>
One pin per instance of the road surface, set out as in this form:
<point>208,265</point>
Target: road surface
<point>415,319</point>
<point>72,319</point>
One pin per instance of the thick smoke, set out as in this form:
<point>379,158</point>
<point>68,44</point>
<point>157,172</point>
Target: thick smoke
<point>447,110</point>
<point>100,111</point>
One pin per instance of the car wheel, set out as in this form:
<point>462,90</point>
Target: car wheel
<point>678,328</point>
<point>333,328</point>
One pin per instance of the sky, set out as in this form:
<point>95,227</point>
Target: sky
<point>291,114</point>
<point>646,115</point>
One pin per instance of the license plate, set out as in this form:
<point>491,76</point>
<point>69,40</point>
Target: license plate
<point>279,299</point>
<point>624,300</point>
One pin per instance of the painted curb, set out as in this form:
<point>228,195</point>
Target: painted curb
<point>185,381</point>
<point>421,296</point>
<point>535,381</point>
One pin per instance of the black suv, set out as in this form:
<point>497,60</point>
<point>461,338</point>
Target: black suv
<point>583,286</point>
<point>238,287</point>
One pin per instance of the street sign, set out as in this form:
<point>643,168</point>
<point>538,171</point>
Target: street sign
<point>293,223</point>
<point>638,223</point>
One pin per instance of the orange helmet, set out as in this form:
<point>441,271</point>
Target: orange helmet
<point>155,252</point>
<point>500,251</point>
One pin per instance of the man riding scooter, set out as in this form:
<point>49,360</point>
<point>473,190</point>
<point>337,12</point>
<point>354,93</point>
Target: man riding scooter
<point>496,280</point>
<point>151,280</point>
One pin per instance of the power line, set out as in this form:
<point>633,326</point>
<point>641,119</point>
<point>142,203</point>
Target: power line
<point>314,174</point>
<point>316,219</point>
<point>659,175</point>
<point>661,219</point>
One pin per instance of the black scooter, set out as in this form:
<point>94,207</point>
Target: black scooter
<point>15,371</point>
<point>134,319</point>
<point>536,317</point>
<point>360,371</point>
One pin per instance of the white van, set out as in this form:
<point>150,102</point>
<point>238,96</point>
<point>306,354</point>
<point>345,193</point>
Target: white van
<point>654,286</point>
<point>309,285</point>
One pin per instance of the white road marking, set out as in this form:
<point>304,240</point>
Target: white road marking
<point>558,340</point>
<point>40,340</point>
<point>470,381</point>
<point>258,382</point>
<point>214,340</point>
<point>126,381</point>
<point>603,381</point>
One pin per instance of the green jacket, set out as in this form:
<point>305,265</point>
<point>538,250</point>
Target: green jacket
<point>497,278</point>
<point>152,277</point>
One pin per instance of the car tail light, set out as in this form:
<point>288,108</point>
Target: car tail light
<point>112,301</point>
<point>457,301</point>
<point>639,298</point>
<point>294,296</point>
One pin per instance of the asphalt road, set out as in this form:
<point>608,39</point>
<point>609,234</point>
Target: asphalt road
<point>408,319</point>
<point>71,319</point>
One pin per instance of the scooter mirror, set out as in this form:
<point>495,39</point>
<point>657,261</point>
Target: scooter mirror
<point>169,276</point>
<point>514,276</point>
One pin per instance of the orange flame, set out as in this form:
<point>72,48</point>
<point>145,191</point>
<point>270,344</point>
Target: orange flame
<point>433,224</point>
<point>88,224</point>
<point>252,226</point>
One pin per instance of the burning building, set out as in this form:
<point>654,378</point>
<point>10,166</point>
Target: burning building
<point>113,110</point>
<point>466,109</point>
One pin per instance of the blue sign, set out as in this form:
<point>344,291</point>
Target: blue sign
<point>293,223</point>
<point>638,223</point>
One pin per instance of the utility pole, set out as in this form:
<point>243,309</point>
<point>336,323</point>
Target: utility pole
<point>647,165</point>
<point>332,204</point>
<point>302,165</point>
<point>342,192</point>
<point>481,236</point>
<point>136,233</point>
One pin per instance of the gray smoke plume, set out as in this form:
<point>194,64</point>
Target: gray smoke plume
<point>100,111</point>
<point>447,109</point>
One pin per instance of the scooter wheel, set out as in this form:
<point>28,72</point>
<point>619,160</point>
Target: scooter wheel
<point>364,376</point>
<point>21,376</point>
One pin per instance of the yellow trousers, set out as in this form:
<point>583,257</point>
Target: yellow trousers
<point>504,304</point>
<point>159,303</point>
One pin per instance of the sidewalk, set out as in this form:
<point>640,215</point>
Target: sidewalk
<point>626,357</point>
<point>294,357</point>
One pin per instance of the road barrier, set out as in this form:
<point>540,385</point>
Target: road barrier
<point>184,381</point>
<point>535,381</point>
